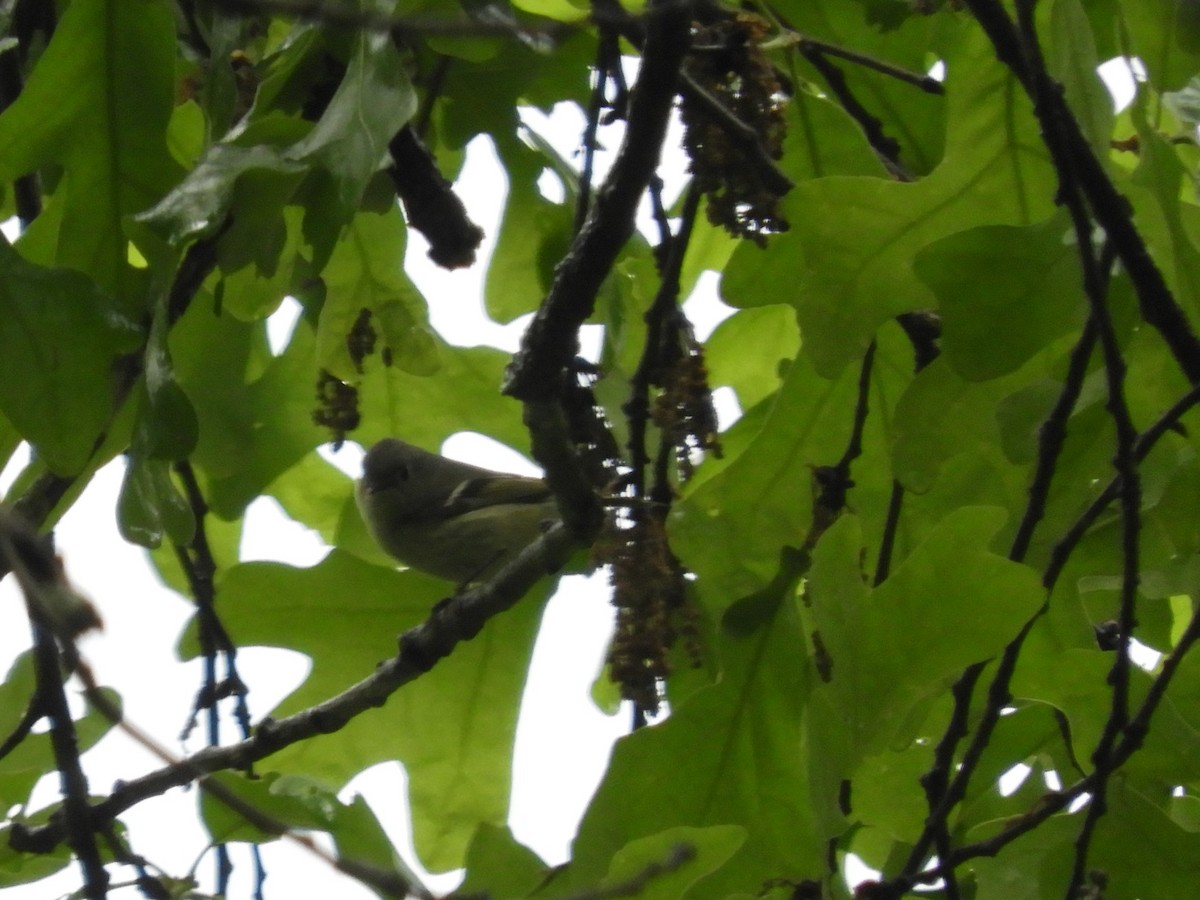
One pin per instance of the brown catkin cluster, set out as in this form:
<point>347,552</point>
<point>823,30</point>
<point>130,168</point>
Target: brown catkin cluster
<point>728,62</point>
<point>684,410</point>
<point>652,609</point>
<point>337,406</point>
<point>360,342</point>
<point>337,402</point>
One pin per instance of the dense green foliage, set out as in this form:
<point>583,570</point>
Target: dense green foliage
<point>958,510</point>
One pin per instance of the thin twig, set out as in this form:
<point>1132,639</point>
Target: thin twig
<point>658,212</point>
<point>1051,437</point>
<point>200,568</point>
<point>1146,442</point>
<point>551,340</point>
<point>835,482</point>
<point>607,57</point>
<point>1052,803</point>
<point>662,336</point>
<point>872,127</point>
<point>387,882</point>
<point>1125,459</point>
<point>923,329</point>
<point>48,669</point>
<point>891,525</point>
<point>806,44</point>
<point>926,83</point>
<point>861,408</point>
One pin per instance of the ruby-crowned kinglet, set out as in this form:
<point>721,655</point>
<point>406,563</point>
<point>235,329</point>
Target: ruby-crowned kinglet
<point>448,518</point>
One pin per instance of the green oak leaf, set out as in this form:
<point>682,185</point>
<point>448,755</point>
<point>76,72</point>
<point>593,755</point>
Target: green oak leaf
<point>452,728</point>
<point>1166,34</point>
<point>61,342</point>
<point>949,604</point>
<point>366,273</point>
<point>151,507</point>
<point>499,866</point>
<point>97,103</point>
<point>1032,295</point>
<point>1071,58</point>
<point>743,739</point>
<point>847,262</point>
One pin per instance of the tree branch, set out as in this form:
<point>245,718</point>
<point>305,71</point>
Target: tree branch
<point>887,147</point>
<point>608,61</point>
<point>1052,435</point>
<point>661,349</point>
<point>200,568</point>
<point>1145,443</point>
<point>552,337</point>
<point>806,45</point>
<point>537,372</point>
<point>39,575</point>
<point>430,203</point>
<point>73,783</point>
<point>1053,802</point>
<point>1095,284</point>
<point>1073,155</point>
<point>420,649</point>
<point>1082,182</point>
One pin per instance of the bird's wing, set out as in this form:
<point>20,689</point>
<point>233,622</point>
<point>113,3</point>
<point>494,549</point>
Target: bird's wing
<point>496,490</point>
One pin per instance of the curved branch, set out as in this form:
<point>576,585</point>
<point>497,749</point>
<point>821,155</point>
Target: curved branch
<point>1075,160</point>
<point>40,577</point>
<point>536,373</point>
<point>420,649</point>
<point>552,338</point>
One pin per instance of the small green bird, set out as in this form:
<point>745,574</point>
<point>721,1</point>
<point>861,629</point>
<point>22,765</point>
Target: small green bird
<point>447,518</point>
